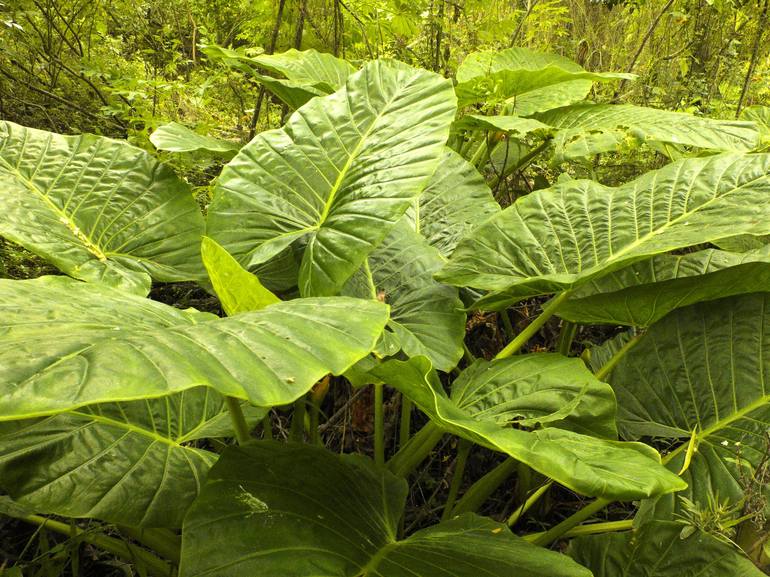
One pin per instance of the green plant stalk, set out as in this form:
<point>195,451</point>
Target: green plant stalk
<point>510,332</point>
<point>481,490</point>
<point>317,396</point>
<point>468,355</point>
<point>297,432</point>
<point>416,450</point>
<point>528,503</point>
<point>593,529</point>
<point>523,337</point>
<point>566,336</point>
<point>607,367</point>
<point>241,428</point>
<point>267,427</point>
<point>557,531</point>
<point>525,160</point>
<point>130,553</point>
<point>163,541</point>
<point>379,426</point>
<point>480,153</point>
<point>405,423</point>
<point>463,450</point>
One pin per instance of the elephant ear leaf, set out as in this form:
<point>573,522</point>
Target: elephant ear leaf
<point>662,546</point>
<point>140,452</point>
<point>562,237</point>
<point>426,317</point>
<point>530,81</point>
<point>278,509</point>
<point>99,209</point>
<point>586,129</point>
<point>534,390</point>
<point>701,372</point>
<point>338,176</point>
<point>67,344</point>
<point>175,137</point>
<point>643,293</point>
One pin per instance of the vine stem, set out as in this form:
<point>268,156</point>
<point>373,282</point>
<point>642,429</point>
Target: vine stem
<point>545,539</point>
<point>593,529</point>
<point>241,428</point>
<point>607,367</point>
<point>379,426</point>
<point>463,450</point>
<point>523,337</point>
<point>405,423</point>
<point>527,505</point>
<point>131,553</point>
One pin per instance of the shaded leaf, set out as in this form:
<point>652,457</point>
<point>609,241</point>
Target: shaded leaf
<point>646,291</point>
<point>127,463</point>
<point>585,464</point>
<point>68,344</point>
<point>350,164</point>
<point>702,368</point>
<point>426,316</point>
<point>658,550</point>
<point>296,510</point>
<point>99,209</point>
<point>455,201</point>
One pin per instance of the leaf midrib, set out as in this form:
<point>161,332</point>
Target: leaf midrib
<point>64,218</point>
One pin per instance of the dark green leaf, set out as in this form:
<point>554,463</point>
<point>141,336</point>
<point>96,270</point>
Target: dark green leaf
<point>296,510</point>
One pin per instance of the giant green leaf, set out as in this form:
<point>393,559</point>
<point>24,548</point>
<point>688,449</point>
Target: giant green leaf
<point>760,116</point>
<point>646,291</point>
<point>586,464</point>
<point>658,550</point>
<point>702,369</point>
<point>175,137</point>
<point>426,317</point>
<point>99,209</point>
<point>455,201</point>
<point>586,129</point>
<point>295,510</point>
<point>564,236</point>
<point>67,344</point>
<point>530,81</point>
<point>339,175</point>
<point>303,74</point>
<point>129,463</point>
<point>308,73</point>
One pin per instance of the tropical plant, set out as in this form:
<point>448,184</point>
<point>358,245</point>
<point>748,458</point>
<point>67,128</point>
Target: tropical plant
<point>352,242</point>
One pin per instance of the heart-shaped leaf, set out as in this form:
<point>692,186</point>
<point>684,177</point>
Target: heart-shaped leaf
<point>588,465</point>
<point>646,291</point>
<point>99,209</point>
<point>127,463</point>
<point>350,164</point>
<point>454,202</point>
<point>658,549</point>
<point>67,344</point>
<point>559,238</point>
<point>295,510</point>
<point>426,317</point>
<point>702,370</point>
<point>586,129</point>
<point>175,137</point>
<point>538,81</point>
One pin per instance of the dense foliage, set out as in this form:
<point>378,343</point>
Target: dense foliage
<point>537,285</point>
